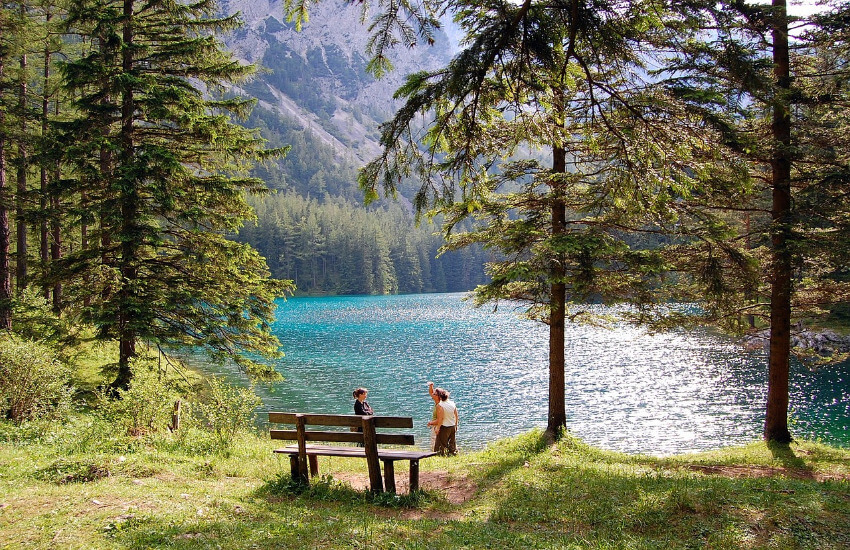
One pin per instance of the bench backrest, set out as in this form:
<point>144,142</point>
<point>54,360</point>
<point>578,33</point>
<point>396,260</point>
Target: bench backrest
<point>368,425</point>
<point>367,436</point>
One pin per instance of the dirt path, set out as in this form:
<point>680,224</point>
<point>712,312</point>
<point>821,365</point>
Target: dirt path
<point>455,489</point>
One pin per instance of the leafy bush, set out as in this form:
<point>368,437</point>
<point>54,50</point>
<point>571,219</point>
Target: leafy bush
<point>226,409</point>
<point>35,320</point>
<point>142,409</point>
<point>33,382</point>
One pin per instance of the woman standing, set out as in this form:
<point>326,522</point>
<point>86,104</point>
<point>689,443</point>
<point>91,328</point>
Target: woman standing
<point>446,424</point>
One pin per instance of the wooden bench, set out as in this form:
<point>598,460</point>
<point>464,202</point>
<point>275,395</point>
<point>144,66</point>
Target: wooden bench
<point>303,452</point>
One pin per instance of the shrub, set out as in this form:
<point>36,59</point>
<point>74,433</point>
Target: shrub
<point>35,320</point>
<point>226,409</point>
<point>143,408</point>
<point>33,382</point>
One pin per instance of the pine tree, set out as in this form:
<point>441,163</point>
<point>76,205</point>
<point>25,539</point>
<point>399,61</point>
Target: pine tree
<point>6,49</point>
<point>159,161</point>
<point>571,79</point>
<point>781,104</point>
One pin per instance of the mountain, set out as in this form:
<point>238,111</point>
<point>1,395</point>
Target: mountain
<point>314,80</point>
<point>314,95</point>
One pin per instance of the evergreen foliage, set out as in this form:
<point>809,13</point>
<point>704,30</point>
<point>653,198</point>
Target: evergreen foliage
<point>335,246</point>
<point>779,98</point>
<point>736,161</point>
<point>393,23</point>
<point>572,80</point>
<point>158,160</point>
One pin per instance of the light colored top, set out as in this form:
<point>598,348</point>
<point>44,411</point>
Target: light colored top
<point>449,412</point>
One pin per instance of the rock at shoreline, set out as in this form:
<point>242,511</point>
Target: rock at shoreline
<point>824,343</point>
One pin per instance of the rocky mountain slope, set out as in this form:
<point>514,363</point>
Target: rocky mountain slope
<point>315,80</point>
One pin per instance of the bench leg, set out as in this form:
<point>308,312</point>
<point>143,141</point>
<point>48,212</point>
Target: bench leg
<point>414,475</point>
<point>314,465</point>
<point>389,476</point>
<point>293,467</point>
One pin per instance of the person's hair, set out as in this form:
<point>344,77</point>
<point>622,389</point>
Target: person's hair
<point>442,394</point>
<point>359,391</point>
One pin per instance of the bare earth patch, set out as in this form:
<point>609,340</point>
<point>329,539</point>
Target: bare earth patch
<point>767,471</point>
<point>455,489</point>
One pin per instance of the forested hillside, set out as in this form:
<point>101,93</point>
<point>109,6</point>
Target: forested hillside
<point>334,246</point>
<point>314,95</point>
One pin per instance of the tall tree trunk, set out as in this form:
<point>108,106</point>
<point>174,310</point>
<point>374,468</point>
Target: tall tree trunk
<point>129,214</point>
<point>776,419</point>
<point>20,207</point>
<point>43,198</point>
<point>56,228</point>
<point>84,244</point>
<point>5,234</point>
<point>106,175</point>
<point>557,419</point>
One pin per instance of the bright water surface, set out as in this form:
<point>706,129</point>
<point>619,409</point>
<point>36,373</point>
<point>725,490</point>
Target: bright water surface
<point>626,390</point>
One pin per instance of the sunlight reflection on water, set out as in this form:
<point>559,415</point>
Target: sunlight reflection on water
<point>626,390</point>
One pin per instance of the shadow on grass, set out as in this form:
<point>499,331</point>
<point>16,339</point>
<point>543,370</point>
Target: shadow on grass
<point>504,456</point>
<point>573,505</point>
<point>605,504</point>
<point>326,488</point>
<point>785,455</point>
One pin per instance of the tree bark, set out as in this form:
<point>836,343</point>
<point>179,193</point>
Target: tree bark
<point>129,213</point>
<point>84,245</point>
<point>56,230</point>
<point>557,396</point>
<point>5,234</point>
<point>776,418</point>
<point>43,198</point>
<point>20,207</point>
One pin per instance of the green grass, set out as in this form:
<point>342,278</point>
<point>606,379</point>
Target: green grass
<point>78,484</point>
<point>156,493</point>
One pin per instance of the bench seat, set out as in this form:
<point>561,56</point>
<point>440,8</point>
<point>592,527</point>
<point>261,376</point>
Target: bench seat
<point>387,456</point>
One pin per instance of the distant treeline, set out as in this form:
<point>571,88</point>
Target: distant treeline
<point>339,247</point>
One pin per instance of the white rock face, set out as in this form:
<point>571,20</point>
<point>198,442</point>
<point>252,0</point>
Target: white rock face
<point>336,25</point>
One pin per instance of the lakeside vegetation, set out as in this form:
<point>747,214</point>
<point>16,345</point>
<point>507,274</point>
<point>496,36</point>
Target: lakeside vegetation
<point>335,246</point>
<point>110,474</point>
<point>518,493</point>
<point>130,173</point>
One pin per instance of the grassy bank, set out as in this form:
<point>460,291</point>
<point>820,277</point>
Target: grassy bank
<point>93,481</point>
<point>518,493</point>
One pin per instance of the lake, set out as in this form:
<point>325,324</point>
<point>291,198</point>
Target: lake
<point>626,390</point>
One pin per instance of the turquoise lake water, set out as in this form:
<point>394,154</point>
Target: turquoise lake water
<point>626,390</point>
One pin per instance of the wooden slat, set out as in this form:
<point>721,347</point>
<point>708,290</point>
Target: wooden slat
<point>352,452</point>
<point>393,422</point>
<point>287,435</point>
<point>393,454</point>
<point>340,437</point>
<point>346,420</point>
<point>282,418</point>
<point>343,437</point>
<point>357,452</point>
